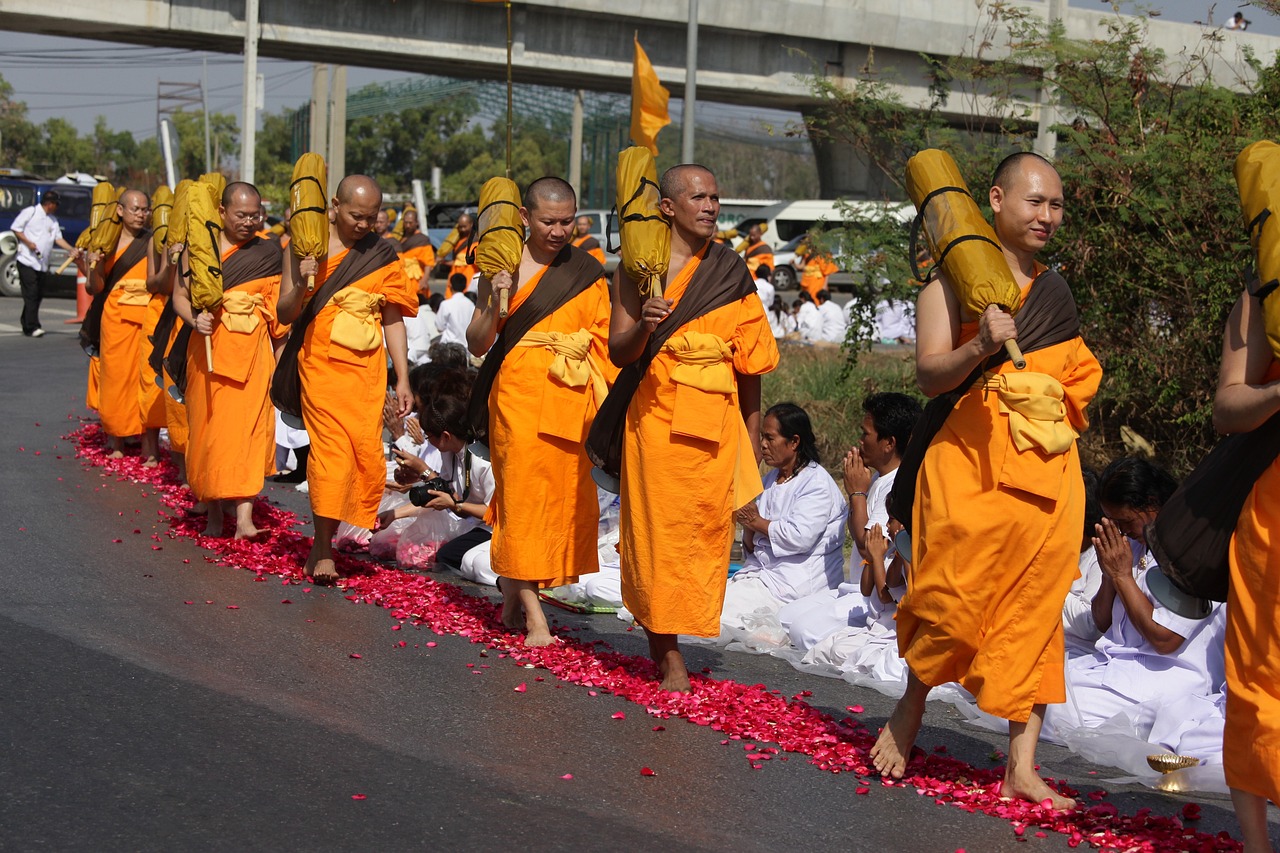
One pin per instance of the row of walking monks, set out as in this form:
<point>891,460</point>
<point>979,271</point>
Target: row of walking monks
<point>662,391</point>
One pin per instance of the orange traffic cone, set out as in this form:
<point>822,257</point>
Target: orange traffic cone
<point>82,298</point>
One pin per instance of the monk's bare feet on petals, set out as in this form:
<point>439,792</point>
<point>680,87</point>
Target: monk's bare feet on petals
<point>116,454</point>
<point>1030,787</point>
<point>892,749</point>
<point>199,508</point>
<point>151,462</point>
<point>539,637</point>
<point>675,677</point>
<point>213,526</point>
<point>512,614</point>
<point>324,572</point>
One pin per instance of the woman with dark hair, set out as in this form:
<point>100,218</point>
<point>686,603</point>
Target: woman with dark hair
<point>781,321</point>
<point>1148,654</point>
<point>793,537</point>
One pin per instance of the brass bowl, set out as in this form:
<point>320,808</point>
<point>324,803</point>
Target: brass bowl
<point>1168,762</point>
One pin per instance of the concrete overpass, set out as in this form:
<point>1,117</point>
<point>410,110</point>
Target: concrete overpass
<point>750,52</point>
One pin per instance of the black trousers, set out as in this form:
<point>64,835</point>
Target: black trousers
<point>451,553</point>
<point>32,283</point>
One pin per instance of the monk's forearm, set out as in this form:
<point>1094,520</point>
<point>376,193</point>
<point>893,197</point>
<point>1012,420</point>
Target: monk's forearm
<point>483,328</point>
<point>938,373</point>
<point>182,305</point>
<point>1242,408</point>
<point>625,346</point>
<point>397,342</point>
<point>289,304</point>
<point>749,403</point>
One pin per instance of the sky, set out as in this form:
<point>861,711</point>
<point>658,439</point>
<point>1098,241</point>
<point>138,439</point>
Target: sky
<point>80,80</point>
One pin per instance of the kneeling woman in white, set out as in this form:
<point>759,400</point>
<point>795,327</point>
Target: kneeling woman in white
<point>794,535</point>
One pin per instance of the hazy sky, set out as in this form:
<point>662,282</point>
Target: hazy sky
<point>79,79</point>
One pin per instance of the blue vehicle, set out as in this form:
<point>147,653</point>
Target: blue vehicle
<point>73,216</point>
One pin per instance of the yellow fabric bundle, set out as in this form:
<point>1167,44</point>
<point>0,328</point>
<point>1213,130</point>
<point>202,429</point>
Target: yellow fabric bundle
<point>218,181</point>
<point>1258,178</point>
<point>396,220</point>
<point>161,207</point>
<point>501,231</point>
<point>958,235</point>
<point>645,234</point>
<point>103,221</point>
<point>309,225</point>
<point>204,230</point>
<point>177,232</point>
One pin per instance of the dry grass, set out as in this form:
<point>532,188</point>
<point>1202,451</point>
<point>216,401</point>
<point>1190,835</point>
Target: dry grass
<point>816,379</point>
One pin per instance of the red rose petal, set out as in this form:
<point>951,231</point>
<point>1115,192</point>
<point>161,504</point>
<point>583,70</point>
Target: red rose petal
<point>359,797</point>
<point>521,687</point>
<point>567,777</point>
<point>354,656</point>
<point>645,771</point>
<point>619,716</point>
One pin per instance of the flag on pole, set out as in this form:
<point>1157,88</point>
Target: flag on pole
<point>649,97</point>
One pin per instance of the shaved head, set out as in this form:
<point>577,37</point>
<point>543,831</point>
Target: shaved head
<point>361,187</point>
<point>133,198</point>
<point>237,190</point>
<point>549,190</point>
<point>675,180</point>
<point>134,209</point>
<point>1011,167</point>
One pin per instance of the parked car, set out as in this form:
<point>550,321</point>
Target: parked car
<point>73,216</point>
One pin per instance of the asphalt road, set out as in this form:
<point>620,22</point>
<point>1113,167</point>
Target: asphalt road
<point>134,721</point>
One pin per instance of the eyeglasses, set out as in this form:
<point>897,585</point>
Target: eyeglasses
<point>245,217</point>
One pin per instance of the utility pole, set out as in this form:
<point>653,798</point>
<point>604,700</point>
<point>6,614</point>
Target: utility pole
<point>575,145</point>
<point>1046,144</point>
<point>337,159</point>
<point>318,139</point>
<point>249,127</point>
<point>204,107</point>
<point>690,84</point>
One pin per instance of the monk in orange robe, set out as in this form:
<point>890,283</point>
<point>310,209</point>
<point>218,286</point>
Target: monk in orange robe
<point>342,363</point>
<point>231,447</point>
<point>815,268</point>
<point>536,397</point>
<point>692,360</point>
<point>757,251</point>
<point>125,285</point>
<point>1246,399</point>
<point>585,240</point>
<point>416,251</point>
<point>461,264</point>
<point>999,500</point>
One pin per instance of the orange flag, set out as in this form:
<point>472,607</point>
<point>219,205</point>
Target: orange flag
<point>648,102</point>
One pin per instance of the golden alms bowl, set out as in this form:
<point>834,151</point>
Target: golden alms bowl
<point>1168,762</point>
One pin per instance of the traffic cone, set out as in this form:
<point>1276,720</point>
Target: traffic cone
<point>82,298</point>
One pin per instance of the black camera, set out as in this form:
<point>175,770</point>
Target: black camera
<point>420,495</point>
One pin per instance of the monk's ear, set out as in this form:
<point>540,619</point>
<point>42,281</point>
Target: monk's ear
<point>524,216</point>
<point>996,198</point>
<point>668,208</point>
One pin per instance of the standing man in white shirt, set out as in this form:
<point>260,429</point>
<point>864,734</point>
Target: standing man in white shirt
<point>37,231</point>
<point>764,285</point>
<point>455,312</point>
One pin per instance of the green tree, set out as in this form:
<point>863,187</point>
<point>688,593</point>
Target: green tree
<point>16,131</point>
<point>1153,241</point>
<point>224,139</point>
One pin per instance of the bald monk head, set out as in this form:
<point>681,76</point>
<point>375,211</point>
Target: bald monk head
<point>410,218</point>
<point>464,225</point>
<point>383,223</point>
<point>755,234</point>
<point>241,211</point>
<point>1027,200</point>
<point>355,208</point>
<point>584,227</point>
<point>134,210</point>
<point>690,201</point>
<point>549,208</point>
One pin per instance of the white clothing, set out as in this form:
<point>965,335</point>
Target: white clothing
<point>453,319</point>
<point>453,467</point>
<point>833,323</point>
<point>477,566</point>
<point>1125,670</point>
<point>877,504</point>
<point>1080,630</point>
<point>40,228</point>
<point>421,332</point>
<point>802,552</point>
<point>781,324</point>
<point>287,436</point>
<point>766,292</point>
<point>894,320</point>
<point>809,321</point>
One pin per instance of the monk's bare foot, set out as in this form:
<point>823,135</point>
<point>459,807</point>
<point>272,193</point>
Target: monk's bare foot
<point>199,508</point>
<point>116,454</point>
<point>539,637</point>
<point>1029,786</point>
<point>539,632</point>
<point>512,615</point>
<point>892,749</point>
<point>150,462</point>
<point>249,532</point>
<point>213,526</point>
<point>324,572</point>
<point>675,677</point>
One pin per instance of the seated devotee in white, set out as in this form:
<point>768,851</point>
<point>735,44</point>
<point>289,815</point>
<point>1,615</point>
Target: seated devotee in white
<point>793,535</point>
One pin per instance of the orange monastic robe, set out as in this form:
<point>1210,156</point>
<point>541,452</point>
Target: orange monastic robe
<point>418,249</point>
<point>151,395</point>
<point>544,510</point>
<point>814,275</point>
<point>591,246</point>
<point>681,455</point>
<point>343,391</point>
<point>997,541</point>
<point>175,413</point>
<point>1251,740</point>
<point>757,254</point>
<point>231,446</point>
<point>124,315</point>
<point>461,265</point>
<point>93,390</point>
